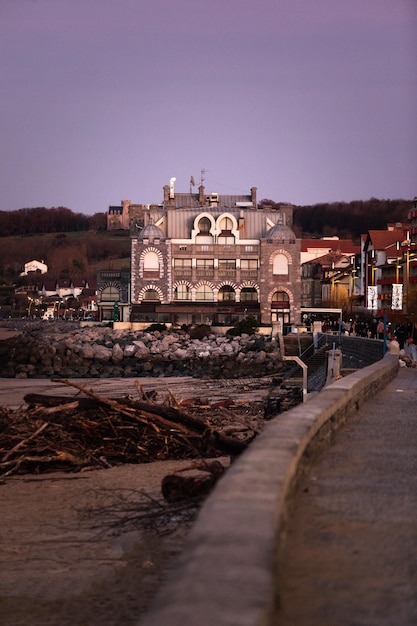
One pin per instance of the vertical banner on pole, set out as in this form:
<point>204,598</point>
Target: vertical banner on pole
<point>372,297</point>
<point>397,297</point>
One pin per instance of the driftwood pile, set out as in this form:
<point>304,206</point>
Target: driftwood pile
<point>82,432</point>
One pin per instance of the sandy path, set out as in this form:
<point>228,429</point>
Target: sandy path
<point>55,569</point>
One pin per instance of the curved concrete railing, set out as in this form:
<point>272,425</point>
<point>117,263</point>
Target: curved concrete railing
<point>225,575</point>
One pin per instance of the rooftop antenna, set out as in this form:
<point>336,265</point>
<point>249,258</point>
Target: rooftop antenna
<point>202,179</point>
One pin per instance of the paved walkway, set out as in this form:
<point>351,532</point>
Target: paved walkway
<point>351,556</point>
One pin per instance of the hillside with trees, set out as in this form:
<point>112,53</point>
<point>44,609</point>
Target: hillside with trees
<point>43,220</point>
<point>68,255</point>
<point>348,220</point>
<point>76,245</point>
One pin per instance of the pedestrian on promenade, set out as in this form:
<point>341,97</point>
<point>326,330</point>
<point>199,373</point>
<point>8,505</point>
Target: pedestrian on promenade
<point>380,329</point>
<point>411,348</point>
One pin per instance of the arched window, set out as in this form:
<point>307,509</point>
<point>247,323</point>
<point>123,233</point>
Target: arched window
<point>151,294</point>
<point>110,294</point>
<point>204,225</point>
<point>182,292</point>
<point>204,292</point>
<point>151,262</point>
<point>204,235</point>
<point>280,265</point>
<point>280,300</point>
<point>226,236</point>
<point>227,293</point>
<point>249,294</point>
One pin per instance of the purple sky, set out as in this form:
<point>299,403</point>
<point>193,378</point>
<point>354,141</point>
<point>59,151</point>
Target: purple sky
<point>308,100</point>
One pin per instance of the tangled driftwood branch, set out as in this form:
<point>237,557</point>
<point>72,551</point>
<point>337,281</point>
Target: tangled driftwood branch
<point>78,433</point>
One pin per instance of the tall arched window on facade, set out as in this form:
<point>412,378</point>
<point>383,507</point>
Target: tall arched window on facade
<point>226,236</point>
<point>204,235</point>
<point>280,266</point>
<point>151,263</point>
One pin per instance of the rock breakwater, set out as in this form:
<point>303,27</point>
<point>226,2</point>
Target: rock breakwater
<point>64,350</point>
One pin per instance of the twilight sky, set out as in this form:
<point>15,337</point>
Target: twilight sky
<point>307,100</point>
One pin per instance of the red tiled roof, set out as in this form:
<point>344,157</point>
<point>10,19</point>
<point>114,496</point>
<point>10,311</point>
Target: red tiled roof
<point>382,239</point>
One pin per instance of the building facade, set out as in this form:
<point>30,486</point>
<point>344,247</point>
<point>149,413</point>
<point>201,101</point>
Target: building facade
<point>215,259</point>
<point>113,294</point>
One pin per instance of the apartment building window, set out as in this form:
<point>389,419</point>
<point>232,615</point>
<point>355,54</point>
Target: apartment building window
<point>227,294</point>
<point>204,226</point>
<point>204,292</point>
<point>226,236</point>
<point>151,294</point>
<point>227,264</point>
<point>205,267</point>
<point>249,264</point>
<point>182,292</point>
<point>227,267</point>
<point>204,235</point>
<point>280,300</point>
<point>110,294</point>
<point>280,266</point>
<point>151,262</point>
<point>183,267</point>
<point>249,294</point>
<point>249,268</point>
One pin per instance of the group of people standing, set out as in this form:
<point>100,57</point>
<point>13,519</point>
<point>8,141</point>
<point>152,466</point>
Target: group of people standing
<point>406,335</point>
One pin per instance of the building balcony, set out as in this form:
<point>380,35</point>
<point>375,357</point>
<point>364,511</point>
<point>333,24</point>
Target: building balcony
<point>245,274</point>
<point>183,272</point>
<point>206,273</point>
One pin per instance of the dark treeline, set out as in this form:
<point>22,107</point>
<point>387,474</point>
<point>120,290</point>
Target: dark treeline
<point>348,220</point>
<point>42,220</point>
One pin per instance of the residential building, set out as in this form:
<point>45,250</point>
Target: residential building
<point>330,281</point>
<point>113,294</point>
<point>34,267</point>
<point>386,270</point>
<point>215,259</point>
<point>329,273</point>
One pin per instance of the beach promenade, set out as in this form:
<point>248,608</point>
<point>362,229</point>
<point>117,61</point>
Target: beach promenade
<point>350,555</point>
